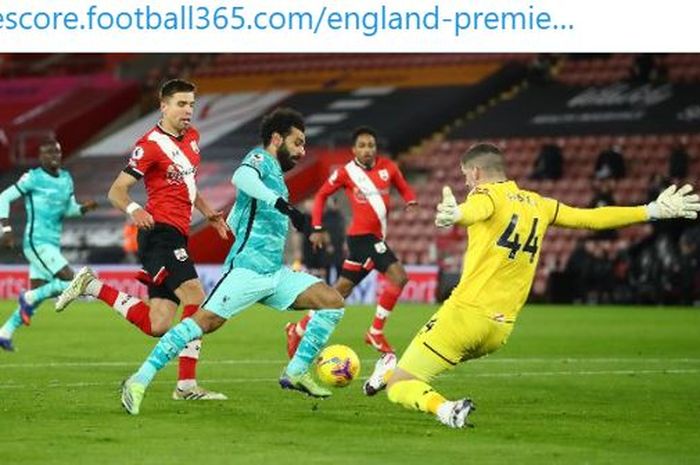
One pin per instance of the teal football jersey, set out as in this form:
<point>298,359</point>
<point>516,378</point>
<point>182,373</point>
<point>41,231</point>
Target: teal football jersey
<point>47,200</point>
<point>260,229</point>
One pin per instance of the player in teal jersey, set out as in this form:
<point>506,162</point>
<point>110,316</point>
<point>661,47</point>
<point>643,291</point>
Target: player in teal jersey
<point>254,271</point>
<point>48,199</point>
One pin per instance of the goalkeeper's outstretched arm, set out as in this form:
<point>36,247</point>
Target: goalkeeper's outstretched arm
<point>671,203</point>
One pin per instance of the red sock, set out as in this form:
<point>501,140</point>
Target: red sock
<point>301,324</point>
<point>134,310</point>
<point>387,302</point>
<point>187,364</point>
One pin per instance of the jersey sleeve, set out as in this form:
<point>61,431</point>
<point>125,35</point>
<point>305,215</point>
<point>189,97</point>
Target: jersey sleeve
<point>142,158</point>
<point>551,209</point>
<point>13,192</point>
<point>73,208</point>
<point>479,206</point>
<point>26,183</point>
<point>595,218</point>
<point>245,180</point>
<point>334,182</point>
<point>258,162</point>
<point>402,186</point>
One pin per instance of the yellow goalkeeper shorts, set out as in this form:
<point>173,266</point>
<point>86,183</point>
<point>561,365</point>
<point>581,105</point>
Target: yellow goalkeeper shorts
<point>451,336</point>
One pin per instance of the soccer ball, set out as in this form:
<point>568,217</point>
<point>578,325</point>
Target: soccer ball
<point>337,365</point>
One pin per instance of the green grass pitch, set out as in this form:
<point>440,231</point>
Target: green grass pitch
<point>574,385</point>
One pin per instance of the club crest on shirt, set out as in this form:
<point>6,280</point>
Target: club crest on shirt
<point>194,146</point>
<point>384,175</point>
<point>180,254</point>
<point>380,247</point>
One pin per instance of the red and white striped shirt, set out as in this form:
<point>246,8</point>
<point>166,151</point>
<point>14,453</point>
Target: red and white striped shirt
<point>168,166</point>
<point>368,192</point>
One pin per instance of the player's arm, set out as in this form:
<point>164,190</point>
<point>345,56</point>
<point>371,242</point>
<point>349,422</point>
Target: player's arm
<point>76,208</point>
<point>118,195</point>
<point>248,179</point>
<point>215,218</point>
<point>478,207</point>
<point>9,195</point>
<point>319,238</point>
<point>671,203</point>
<point>407,193</point>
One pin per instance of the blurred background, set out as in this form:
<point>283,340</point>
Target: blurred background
<point>589,130</point>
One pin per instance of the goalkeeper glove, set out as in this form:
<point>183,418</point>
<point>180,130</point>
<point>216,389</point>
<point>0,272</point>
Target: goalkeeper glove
<point>300,221</point>
<point>448,212</point>
<point>675,203</point>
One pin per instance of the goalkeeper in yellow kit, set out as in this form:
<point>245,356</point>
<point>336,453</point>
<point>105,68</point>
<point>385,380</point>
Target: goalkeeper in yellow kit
<point>506,226</point>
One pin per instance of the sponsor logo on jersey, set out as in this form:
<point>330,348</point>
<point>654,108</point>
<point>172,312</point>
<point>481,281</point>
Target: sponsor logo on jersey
<point>175,174</point>
<point>359,195</point>
<point>180,254</point>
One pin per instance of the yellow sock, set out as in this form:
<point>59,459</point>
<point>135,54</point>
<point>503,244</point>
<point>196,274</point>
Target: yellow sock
<point>416,394</point>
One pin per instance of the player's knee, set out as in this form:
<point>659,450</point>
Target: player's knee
<point>398,276</point>
<point>208,321</point>
<point>159,327</point>
<point>190,292</point>
<point>65,274</point>
<point>402,280</point>
<point>331,299</point>
<point>344,287</point>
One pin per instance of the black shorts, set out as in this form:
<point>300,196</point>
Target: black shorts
<point>367,252</point>
<point>163,254</point>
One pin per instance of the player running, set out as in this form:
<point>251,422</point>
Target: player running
<point>367,181</point>
<point>48,199</point>
<point>506,226</point>
<point>166,157</point>
<point>254,270</point>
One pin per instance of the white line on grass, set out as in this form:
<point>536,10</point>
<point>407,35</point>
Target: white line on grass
<point>474,375</point>
<point>366,362</point>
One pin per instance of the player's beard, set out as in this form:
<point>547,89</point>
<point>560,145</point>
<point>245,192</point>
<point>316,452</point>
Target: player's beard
<point>285,159</point>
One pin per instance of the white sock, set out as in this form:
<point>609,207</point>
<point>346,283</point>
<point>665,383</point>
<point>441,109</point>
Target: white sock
<point>192,349</point>
<point>93,288</point>
<point>382,313</point>
<point>186,384</point>
<point>444,411</point>
<point>29,297</point>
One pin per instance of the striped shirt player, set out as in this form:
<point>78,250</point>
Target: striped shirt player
<point>166,158</point>
<point>168,165</point>
<point>506,227</point>
<point>48,199</point>
<point>367,181</point>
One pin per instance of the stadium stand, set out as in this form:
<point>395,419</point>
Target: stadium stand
<point>427,107</point>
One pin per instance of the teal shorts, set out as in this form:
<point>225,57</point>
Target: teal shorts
<point>239,288</point>
<point>45,260</point>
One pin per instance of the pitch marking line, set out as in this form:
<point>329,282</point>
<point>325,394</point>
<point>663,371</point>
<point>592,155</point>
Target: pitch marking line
<point>474,375</point>
<point>365,362</point>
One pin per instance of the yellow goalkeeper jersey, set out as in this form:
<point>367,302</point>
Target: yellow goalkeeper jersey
<point>506,226</point>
